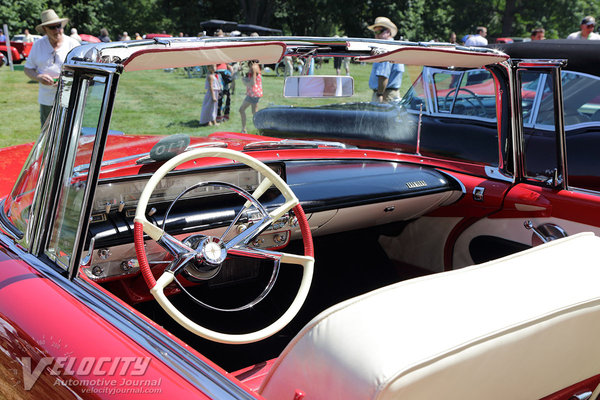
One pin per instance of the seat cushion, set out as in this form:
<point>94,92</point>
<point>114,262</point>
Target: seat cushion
<point>521,327</point>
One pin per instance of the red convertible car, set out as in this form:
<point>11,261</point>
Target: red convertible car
<point>342,250</point>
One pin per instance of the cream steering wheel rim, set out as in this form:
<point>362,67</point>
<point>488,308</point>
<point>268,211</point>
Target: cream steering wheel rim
<point>157,287</point>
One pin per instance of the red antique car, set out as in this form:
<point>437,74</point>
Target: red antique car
<point>328,255</point>
<point>19,48</point>
<point>16,56</point>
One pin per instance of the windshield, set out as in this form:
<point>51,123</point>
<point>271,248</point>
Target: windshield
<point>340,94</point>
<point>249,97</point>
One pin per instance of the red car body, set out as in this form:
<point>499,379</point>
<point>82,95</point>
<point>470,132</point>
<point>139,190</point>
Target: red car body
<point>19,50</point>
<point>89,38</point>
<point>17,56</point>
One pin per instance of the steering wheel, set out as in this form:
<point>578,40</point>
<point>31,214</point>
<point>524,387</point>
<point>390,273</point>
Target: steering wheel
<point>480,107</point>
<point>210,252</point>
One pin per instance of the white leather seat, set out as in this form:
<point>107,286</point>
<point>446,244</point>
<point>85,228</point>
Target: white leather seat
<point>521,327</point>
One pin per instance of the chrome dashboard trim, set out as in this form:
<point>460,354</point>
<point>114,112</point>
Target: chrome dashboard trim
<point>192,368</point>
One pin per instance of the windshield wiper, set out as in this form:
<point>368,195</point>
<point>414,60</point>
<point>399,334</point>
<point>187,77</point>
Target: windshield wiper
<point>292,144</point>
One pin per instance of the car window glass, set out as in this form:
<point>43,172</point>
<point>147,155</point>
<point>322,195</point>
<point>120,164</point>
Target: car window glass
<point>529,87</point>
<point>476,95</point>
<point>581,95</point>
<point>18,204</point>
<point>457,98</point>
<point>445,84</point>
<point>71,194</point>
<point>415,98</point>
<point>540,147</point>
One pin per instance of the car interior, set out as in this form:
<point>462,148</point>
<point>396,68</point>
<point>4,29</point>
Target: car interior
<point>333,231</point>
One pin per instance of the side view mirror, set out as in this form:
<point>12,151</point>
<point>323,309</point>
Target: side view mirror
<point>318,86</point>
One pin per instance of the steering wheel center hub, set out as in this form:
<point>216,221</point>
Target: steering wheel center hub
<point>213,253</point>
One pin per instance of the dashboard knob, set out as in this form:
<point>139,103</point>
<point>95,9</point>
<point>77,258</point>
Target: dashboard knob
<point>129,264</point>
<point>104,253</point>
<point>280,238</point>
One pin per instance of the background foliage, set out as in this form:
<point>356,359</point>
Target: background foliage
<point>418,20</point>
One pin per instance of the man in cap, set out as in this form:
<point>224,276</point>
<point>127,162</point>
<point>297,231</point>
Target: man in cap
<point>586,30</point>
<point>47,57</point>
<point>386,77</point>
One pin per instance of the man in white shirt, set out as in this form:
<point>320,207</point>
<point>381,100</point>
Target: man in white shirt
<point>586,31</point>
<point>479,38</point>
<point>47,57</point>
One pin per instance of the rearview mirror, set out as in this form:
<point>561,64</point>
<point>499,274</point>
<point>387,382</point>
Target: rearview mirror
<point>318,86</point>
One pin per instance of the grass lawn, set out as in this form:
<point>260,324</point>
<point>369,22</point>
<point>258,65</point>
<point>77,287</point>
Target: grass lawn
<point>20,109</point>
<point>162,102</point>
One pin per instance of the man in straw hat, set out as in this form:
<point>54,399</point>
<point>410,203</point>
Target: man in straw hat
<point>386,77</point>
<point>47,57</point>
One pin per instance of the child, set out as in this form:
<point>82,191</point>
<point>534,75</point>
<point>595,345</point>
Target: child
<point>253,82</point>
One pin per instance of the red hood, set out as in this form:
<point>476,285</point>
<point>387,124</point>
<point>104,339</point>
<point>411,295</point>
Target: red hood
<point>119,147</point>
<point>11,162</point>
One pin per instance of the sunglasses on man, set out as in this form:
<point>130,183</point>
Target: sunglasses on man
<point>53,27</point>
<point>379,30</point>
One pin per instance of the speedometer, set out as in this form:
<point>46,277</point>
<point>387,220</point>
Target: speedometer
<point>124,193</point>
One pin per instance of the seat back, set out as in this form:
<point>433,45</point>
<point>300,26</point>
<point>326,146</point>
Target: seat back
<point>521,327</point>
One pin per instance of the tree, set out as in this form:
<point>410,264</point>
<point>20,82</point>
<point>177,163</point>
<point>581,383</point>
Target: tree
<point>257,12</point>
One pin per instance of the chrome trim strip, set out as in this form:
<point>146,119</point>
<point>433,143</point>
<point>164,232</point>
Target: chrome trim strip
<point>45,191</point>
<point>454,116</point>
<point>580,190</point>
<point>195,370</point>
<point>496,173</point>
<point>95,159</point>
<point>449,174</point>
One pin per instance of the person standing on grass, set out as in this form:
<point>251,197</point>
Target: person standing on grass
<point>47,57</point>
<point>208,115</point>
<point>104,35</point>
<point>386,77</point>
<point>586,31</point>
<point>254,91</point>
<point>479,38</point>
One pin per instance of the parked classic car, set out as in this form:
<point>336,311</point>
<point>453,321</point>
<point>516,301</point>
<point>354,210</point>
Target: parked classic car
<point>140,259</point>
<point>18,47</point>
<point>15,55</point>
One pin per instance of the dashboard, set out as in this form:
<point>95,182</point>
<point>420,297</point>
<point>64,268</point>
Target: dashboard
<point>337,195</point>
<point>122,194</point>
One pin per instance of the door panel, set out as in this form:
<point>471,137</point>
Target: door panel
<point>541,195</point>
